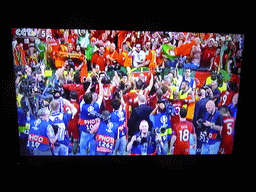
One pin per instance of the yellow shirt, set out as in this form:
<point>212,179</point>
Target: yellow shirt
<point>183,96</point>
<point>223,87</point>
<point>173,88</point>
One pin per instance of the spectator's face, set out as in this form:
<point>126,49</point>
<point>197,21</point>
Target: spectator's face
<point>93,42</point>
<point>165,41</point>
<point>187,72</point>
<point>183,85</point>
<point>147,45</point>
<point>210,44</point>
<point>101,50</point>
<point>138,48</point>
<point>111,48</point>
<point>70,48</point>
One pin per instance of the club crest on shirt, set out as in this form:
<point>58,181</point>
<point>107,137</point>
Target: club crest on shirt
<point>36,123</point>
<point>110,126</point>
<point>164,120</point>
<point>90,109</point>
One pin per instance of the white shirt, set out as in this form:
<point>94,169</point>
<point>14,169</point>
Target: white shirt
<point>138,57</point>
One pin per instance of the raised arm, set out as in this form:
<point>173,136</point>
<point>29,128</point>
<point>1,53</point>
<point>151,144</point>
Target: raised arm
<point>101,91</point>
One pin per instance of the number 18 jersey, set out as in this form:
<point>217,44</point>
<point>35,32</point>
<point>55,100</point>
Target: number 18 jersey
<point>182,131</point>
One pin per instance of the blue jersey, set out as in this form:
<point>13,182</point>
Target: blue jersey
<point>37,137</point>
<point>162,120</point>
<point>144,148</point>
<point>119,118</point>
<point>61,120</point>
<point>87,119</point>
<point>213,135</point>
<point>106,136</point>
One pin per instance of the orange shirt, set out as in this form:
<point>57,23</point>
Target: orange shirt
<point>113,55</point>
<point>101,61</point>
<point>127,60</point>
<point>83,72</point>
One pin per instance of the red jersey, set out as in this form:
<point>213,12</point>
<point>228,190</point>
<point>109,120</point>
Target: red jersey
<point>72,124</point>
<point>226,98</point>
<point>177,104</point>
<point>207,54</point>
<point>107,97</point>
<point>129,100</point>
<point>182,131</point>
<point>101,61</point>
<point>227,133</point>
<point>79,88</point>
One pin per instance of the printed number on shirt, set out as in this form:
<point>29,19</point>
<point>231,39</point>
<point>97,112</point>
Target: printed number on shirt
<point>184,135</point>
<point>105,144</point>
<point>89,127</point>
<point>230,129</point>
<point>224,98</point>
<point>33,144</point>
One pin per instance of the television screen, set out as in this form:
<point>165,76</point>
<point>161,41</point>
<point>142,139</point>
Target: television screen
<point>86,92</point>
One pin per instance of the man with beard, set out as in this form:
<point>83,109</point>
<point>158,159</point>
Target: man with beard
<point>99,58</point>
<point>207,54</point>
<point>138,55</point>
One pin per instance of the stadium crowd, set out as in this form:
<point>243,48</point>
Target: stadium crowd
<point>110,92</point>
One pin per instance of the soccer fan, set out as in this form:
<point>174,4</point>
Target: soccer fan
<point>138,56</point>
<point>99,59</point>
<point>150,58</point>
<point>168,53</point>
<point>89,52</point>
<point>227,133</point>
<point>207,55</point>
<point>190,80</point>
<point>195,56</point>
<point>41,134</point>
<point>181,135</point>
<point>111,55</point>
